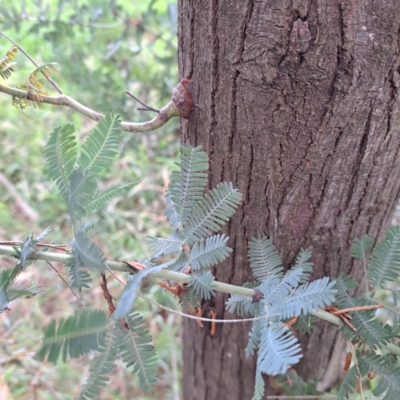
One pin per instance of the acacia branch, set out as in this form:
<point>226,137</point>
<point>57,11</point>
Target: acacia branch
<point>179,106</point>
<point>181,278</point>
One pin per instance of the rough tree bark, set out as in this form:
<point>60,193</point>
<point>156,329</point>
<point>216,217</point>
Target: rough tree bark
<point>296,103</point>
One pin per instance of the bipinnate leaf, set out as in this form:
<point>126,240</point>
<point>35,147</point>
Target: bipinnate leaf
<point>264,259</point>
<point>100,199</point>
<point>90,255</point>
<point>209,252</point>
<point>138,352</point>
<point>103,364</point>
<point>384,265</point>
<point>201,281</point>
<point>83,188</point>
<point>187,185</point>
<point>278,350</point>
<point>369,328</point>
<point>360,246</point>
<point>80,277</point>
<point>61,153</point>
<point>101,146</point>
<point>306,298</point>
<point>171,245</point>
<point>23,289</point>
<point>389,373</point>
<point>258,386</point>
<point>211,212</point>
<point>353,375</point>
<point>303,262</point>
<point>73,336</point>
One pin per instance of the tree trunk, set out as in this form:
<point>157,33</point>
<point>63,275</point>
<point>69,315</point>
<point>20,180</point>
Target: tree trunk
<point>296,103</point>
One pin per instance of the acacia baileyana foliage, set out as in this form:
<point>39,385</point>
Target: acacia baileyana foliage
<point>193,247</point>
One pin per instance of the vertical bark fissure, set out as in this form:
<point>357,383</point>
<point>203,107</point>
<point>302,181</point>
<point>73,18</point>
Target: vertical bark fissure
<point>192,41</point>
<point>214,78</point>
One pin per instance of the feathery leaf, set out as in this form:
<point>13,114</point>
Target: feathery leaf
<point>201,281</point>
<point>371,330</point>
<point>73,336</point>
<point>82,190</point>
<point>100,199</point>
<point>101,365</point>
<point>187,185</point>
<point>137,350</point>
<point>211,212</point>
<point>384,265</point>
<point>389,373</point>
<point>101,146</point>
<point>278,350</point>
<point>305,298</point>
<point>89,254</point>
<point>264,259</point>
<point>60,153</point>
<point>161,246</point>
<point>206,253</point>
<point>360,246</point>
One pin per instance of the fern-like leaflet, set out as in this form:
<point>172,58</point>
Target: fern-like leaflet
<point>193,217</point>
<point>282,296</point>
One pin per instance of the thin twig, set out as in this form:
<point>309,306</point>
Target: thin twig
<point>212,320</point>
<point>33,62</point>
<point>106,293</point>
<point>19,242</point>
<point>66,283</point>
<point>169,111</point>
<point>147,107</point>
<point>360,308</point>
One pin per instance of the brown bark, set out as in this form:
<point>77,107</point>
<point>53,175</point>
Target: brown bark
<point>296,103</point>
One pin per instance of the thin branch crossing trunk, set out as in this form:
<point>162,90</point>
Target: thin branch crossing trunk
<point>296,103</point>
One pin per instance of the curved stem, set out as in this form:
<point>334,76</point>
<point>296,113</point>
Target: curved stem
<point>164,115</point>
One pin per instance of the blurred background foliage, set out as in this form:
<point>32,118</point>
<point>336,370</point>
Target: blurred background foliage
<point>102,48</point>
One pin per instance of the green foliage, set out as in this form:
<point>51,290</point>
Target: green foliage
<point>389,373</point>
<point>305,323</point>
<point>384,265</point>
<point>353,375</point>
<point>193,217</point>
<point>137,351</point>
<point>187,185</point>
<point>201,282</point>
<point>73,336</point>
<point>264,259</point>
<point>101,147</point>
<point>61,153</point>
<point>142,49</point>
<point>209,252</point>
<point>102,365</point>
<point>278,350</point>
<point>76,172</point>
<point>281,296</point>
<point>369,329</point>
<point>293,385</point>
<point>90,330</point>
<point>211,212</point>
<point>12,289</point>
<point>360,246</point>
